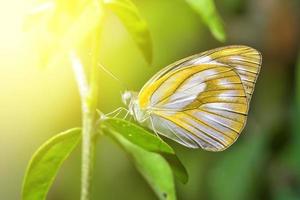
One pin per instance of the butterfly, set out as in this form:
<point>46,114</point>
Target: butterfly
<point>199,101</point>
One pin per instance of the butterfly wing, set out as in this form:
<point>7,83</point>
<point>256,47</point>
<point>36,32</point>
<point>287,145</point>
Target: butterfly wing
<point>245,60</point>
<point>202,101</point>
<point>201,106</point>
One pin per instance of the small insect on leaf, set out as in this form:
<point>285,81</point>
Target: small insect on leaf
<point>46,162</point>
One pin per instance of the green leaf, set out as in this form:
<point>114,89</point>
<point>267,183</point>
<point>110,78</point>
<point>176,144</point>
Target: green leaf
<point>134,23</point>
<point>146,140</point>
<point>177,167</point>
<point>208,12</point>
<point>46,162</point>
<point>153,167</point>
<point>138,135</point>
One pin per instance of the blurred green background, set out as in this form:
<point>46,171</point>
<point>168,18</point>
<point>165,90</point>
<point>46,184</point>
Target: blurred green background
<point>38,102</point>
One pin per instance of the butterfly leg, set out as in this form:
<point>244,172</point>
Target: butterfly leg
<point>120,111</point>
<point>126,115</point>
<point>116,112</point>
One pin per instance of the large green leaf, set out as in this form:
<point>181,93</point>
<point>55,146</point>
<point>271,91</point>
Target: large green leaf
<point>150,142</point>
<point>153,167</point>
<point>46,162</point>
<point>207,10</point>
<point>134,23</point>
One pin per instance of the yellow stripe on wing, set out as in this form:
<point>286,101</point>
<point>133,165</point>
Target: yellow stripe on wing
<point>167,85</point>
<point>216,117</point>
<point>245,60</point>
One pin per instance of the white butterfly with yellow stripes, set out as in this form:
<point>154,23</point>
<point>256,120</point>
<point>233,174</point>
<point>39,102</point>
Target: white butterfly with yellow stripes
<point>199,101</point>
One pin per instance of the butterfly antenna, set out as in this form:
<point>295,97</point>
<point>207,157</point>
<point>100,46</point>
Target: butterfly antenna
<point>112,75</point>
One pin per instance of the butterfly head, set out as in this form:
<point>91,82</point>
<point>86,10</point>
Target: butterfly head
<point>130,99</point>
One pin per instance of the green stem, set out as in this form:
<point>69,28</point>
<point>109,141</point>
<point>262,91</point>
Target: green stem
<point>89,100</point>
<point>89,130</point>
<point>88,146</point>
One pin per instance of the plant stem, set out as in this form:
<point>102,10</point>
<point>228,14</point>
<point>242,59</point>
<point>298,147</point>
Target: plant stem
<point>88,147</point>
<point>89,101</point>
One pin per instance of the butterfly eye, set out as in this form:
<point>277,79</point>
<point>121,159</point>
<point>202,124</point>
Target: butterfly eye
<point>126,97</point>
